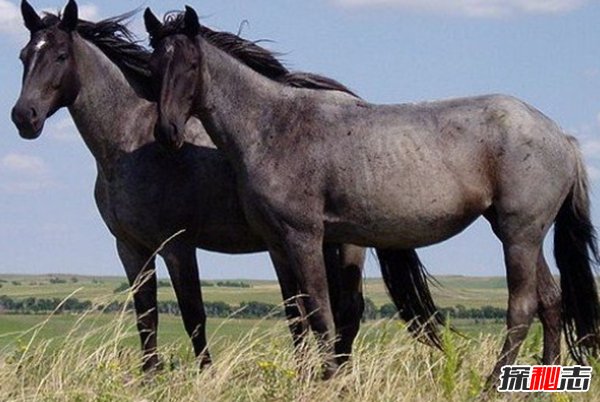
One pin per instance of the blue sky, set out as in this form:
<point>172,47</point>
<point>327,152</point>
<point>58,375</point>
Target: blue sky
<point>546,52</point>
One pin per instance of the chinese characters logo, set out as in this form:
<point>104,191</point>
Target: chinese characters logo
<point>545,379</point>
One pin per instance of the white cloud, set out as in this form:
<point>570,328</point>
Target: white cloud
<point>63,130</point>
<point>10,18</point>
<point>23,164</point>
<point>86,11</point>
<point>473,8</point>
<point>590,148</point>
<point>11,21</point>
<point>589,139</point>
<point>588,135</point>
<point>25,186</point>
<point>20,173</point>
<point>591,153</point>
<point>89,12</point>
<point>593,172</point>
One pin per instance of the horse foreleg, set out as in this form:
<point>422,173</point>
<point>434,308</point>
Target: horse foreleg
<point>293,303</point>
<point>304,254</point>
<point>140,270</point>
<point>183,270</point>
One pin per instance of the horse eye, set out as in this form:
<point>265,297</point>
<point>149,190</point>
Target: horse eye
<point>62,57</point>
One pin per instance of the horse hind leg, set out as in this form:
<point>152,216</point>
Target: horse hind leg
<point>344,264</point>
<point>522,235</point>
<point>520,259</point>
<point>549,311</point>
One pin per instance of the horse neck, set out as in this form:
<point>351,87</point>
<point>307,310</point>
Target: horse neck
<point>235,104</point>
<point>105,107</point>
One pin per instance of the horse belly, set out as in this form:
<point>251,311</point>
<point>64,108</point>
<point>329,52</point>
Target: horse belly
<point>397,218</point>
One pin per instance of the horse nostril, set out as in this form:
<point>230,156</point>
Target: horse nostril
<point>173,131</point>
<point>33,112</point>
<point>167,134</point>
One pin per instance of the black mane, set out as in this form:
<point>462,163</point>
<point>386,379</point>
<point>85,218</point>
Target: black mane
<point>117,42</point>
<point>259,59</point>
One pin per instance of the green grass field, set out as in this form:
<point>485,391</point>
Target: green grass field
<point>468,291</point>
<point>95,356</point>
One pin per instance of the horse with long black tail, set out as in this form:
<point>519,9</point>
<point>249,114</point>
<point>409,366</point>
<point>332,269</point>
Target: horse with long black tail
<point>319,165</point>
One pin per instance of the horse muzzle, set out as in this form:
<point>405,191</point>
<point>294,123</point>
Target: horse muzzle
<point>28,121</point>
<point>169,135</point>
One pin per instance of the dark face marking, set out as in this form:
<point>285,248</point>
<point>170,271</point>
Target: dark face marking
<point>176,73</point>
<point>175,66</point>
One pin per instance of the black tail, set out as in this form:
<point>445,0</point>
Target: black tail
<point>576,252</point>
<point>406,280</point>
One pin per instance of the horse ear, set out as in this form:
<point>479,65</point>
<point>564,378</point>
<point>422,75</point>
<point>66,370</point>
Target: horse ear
<point>192,26</point>
<point>32,20</point>
<point>153,24</point>
<point>70,17</point>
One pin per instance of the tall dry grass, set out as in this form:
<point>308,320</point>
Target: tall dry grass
<point>388,365</point>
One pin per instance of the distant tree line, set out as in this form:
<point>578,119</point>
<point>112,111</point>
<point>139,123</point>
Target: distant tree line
<point>458,311</point>
<point>252,309</point>
<point>33,305</point>
<point>226,284</point>
<point>123,286</point>
<point>233,284</point>
<point>36,305</point>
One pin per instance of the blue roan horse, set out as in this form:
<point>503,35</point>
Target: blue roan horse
<point>316,166</point>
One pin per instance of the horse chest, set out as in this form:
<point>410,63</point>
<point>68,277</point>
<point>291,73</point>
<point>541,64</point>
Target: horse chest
<point>129,206</point>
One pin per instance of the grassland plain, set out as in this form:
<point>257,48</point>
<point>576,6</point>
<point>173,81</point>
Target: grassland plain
<point>95,357</point>
<point>454,290</point>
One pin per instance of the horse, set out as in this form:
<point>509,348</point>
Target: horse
<point>318,166</point>
<point>145,194</point>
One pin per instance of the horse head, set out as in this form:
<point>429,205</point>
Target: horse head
<point>50,79</point>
